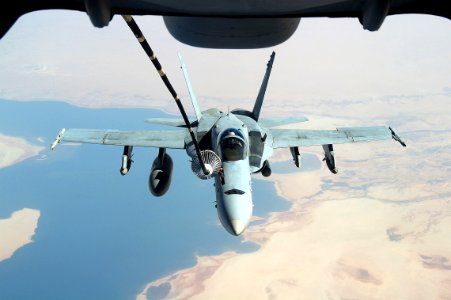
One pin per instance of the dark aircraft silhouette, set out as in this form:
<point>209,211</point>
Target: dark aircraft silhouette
<point>231,24</point>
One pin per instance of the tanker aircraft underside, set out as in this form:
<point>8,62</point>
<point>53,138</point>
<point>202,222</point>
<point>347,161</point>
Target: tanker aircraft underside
<point>230,23</point>
<point>227,147</point>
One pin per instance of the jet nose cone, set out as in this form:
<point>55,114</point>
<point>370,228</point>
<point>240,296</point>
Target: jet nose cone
<point>237,227</point>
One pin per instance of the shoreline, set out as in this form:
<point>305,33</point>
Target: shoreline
<point>352,245</point>
<point>14,150</point>
<point>189,282</point>
<point>17,231</point>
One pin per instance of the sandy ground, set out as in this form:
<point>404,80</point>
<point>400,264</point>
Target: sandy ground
<point>377,230</point>
<point>331,247</point>
<point>14,150</point>
<point>17,231</point>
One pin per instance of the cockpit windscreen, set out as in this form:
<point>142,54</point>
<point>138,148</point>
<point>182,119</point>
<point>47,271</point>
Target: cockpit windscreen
<point>233,146</point>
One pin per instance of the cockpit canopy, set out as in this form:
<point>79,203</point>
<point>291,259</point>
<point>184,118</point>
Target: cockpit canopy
<point>233,146</point>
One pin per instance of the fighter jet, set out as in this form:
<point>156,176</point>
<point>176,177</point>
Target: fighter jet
<point>227,147</point>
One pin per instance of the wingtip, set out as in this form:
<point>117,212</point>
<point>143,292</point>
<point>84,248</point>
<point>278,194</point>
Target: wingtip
<point>58,139</point>
<point>396,137</point>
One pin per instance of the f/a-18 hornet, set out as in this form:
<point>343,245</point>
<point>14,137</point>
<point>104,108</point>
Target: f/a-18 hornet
<point>227,147</point>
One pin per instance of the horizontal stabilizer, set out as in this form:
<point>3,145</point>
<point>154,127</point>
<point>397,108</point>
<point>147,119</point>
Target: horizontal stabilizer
<point>170,122</point>
<point>272,122</point>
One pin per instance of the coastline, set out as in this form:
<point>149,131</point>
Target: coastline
<point>353,235</point>
<point>17,231</point>
<point>14,150</point>
<point>331,244</point>
<point>190,282</point>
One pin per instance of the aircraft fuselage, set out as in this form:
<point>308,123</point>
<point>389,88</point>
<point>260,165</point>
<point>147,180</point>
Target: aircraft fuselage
<point>233,184</point>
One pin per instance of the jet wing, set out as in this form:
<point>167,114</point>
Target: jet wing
<point>158,138</point>
<point>284,138</point>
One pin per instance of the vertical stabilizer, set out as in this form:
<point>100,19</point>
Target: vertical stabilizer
<point>190,89</point>
<point>261,93</point>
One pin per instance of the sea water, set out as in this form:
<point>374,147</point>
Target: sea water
<point>102,235</point>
